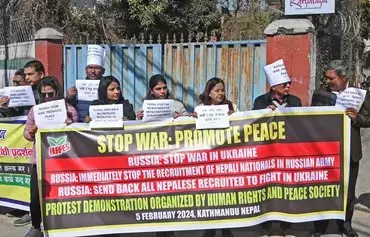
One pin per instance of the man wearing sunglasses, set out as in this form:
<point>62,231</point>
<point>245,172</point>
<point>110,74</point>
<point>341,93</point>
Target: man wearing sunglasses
<point>278,96</point>
<point>337,81</point>
<point>280,84</point>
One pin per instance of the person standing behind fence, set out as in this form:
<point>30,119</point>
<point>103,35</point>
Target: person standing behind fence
<point>158,90</point>
<point>214,94</point>
<point>110,93</point>
<point>48,90</point>
<point>278,96</point>
<point>337,81</point>
<point>94,71</point>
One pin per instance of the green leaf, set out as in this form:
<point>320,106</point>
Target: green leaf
<point>61,140</point>
<point>52,141</point>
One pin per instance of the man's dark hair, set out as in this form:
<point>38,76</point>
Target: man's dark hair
<point>37,65</point>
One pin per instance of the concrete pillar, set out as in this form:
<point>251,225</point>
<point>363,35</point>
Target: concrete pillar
<point>49,50</point>
<point>294,41</point>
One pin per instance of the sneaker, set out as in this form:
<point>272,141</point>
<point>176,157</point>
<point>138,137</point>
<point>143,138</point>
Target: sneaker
<point>34,233</point>
<point>24,220</point>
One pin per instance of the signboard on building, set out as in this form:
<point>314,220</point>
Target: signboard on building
<point>308,7</point>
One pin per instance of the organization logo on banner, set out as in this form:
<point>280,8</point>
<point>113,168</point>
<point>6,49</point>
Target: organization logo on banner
<point>2,134</point>
<point>299,7</point>
<point>58,145</point>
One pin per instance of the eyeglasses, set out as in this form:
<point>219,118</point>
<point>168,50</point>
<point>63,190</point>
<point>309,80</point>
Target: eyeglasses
<point>285,84</point>
<point>48,94</point>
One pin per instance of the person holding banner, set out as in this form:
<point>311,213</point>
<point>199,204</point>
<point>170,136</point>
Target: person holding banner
<point>94,71</point>
<point>279,96</point>
<point>337,83</point>
<point>48,90</point>
<point>214,94</point>
<point>158,91</point>
<point>110,93</point>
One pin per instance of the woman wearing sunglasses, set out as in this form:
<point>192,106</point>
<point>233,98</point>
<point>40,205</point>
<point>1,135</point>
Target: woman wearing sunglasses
<point>48,90</point>
<point>277,97</point>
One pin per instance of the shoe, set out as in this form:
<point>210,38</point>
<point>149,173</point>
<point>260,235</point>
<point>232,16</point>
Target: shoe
<point>209,233</point>
<point>227,233</point>
<point>34,233</point>
<point>24,220</point>
<point>348,231</point>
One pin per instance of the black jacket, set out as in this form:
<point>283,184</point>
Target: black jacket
<point>261,102</point>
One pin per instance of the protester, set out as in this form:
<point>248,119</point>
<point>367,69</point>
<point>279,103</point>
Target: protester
<point>33,71</point>
<point>94,71</point>
<point>19,79</point>
<point>48,90</point>
<point>337,81</point>
<point>110,93</point>
<point>158,90</point>
<point>278,96</point>
<point>214,94</point>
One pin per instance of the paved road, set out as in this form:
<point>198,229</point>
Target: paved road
<point>361,221</point>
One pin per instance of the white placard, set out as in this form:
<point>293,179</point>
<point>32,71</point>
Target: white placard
<point>50,113</point>
<point>276,73</point>
<point>20,96</point>
<point>87,90</point>
<point>155,110</point>
<point>306,7</point>
<point>212,116</point>
<point>104,116</point>
<point>351,98</point>
<point>2,92</point>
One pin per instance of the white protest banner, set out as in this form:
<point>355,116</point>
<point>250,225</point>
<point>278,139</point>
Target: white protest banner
<point>276,73</point>
<point>212,116</point>
<point>351,98</point>
<point>308,7</point>
<point>50,113</point>
<point>87,89</point>
<point>20,96</point>
<point>106,116</point>
<point>155,110</point>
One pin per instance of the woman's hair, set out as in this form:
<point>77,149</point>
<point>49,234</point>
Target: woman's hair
<point>204,97</point>
<point>53,83</point>
<point>102,90</point>
<point>153,81</point>
<point>20,72</point>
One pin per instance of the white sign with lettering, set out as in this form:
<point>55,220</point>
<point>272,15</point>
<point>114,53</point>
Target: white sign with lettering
<point>104,116</point>
<point>351,98</point>
<point>155,110</point>
<point>20,96</point>
<point>49,113</point>
<point>212,116</point>
<point>87,90</point>
<point>308,7</point>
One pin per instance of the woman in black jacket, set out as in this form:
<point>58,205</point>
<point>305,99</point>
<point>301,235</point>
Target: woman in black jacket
<point>109,92</point>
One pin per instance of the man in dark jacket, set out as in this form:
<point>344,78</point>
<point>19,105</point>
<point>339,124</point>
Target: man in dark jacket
<point>278,96</point>
<point>94,71</point>
<point>337,82</point>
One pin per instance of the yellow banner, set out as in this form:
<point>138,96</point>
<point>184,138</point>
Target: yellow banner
<point>15,156</point>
